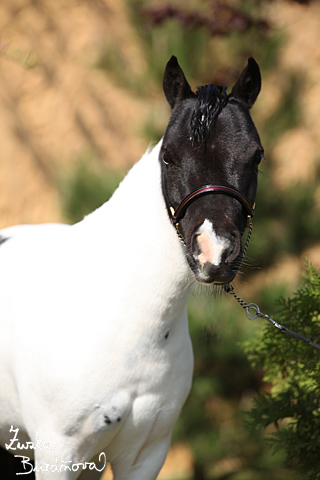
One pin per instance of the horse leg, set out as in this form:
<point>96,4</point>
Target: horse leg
<point>147,463</point>
<point>91,475</point>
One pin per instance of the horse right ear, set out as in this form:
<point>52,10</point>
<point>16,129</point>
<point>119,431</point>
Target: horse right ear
<point>175,86</point>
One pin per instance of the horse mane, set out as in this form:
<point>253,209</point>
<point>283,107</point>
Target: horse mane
<point>211,100</point>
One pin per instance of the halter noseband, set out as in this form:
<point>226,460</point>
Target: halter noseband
<point>205,190</point>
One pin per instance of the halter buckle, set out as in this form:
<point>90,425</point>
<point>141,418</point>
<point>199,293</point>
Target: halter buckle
<point>173,217</point>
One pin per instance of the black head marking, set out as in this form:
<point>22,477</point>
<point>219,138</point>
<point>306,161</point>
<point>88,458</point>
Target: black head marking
<point>224,150</point>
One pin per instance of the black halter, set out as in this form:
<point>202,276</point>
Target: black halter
<point>205,190</point>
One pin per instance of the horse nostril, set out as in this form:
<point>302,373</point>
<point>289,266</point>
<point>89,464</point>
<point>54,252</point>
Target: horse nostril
<point>234,249</point>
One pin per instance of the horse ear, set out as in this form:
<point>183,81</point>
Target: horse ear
<point>248,85</point>
<point>175,86</point>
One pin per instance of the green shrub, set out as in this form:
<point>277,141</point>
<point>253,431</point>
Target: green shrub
<point>292,368</point>
<point>85,188</point>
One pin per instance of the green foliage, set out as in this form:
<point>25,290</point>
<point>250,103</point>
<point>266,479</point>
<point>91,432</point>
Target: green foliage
<point>288,113</point>
<point>227,33</point>
<point>112,61</point>
<point>163,39</point>
<point>293,368</point>
<point>286,222</point>
<point>212,419</point>
<point>172,39</point>
<point>263,46</point>
<point>86,188</point>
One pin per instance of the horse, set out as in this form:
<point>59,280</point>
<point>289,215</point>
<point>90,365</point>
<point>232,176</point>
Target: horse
<point>95,353</point>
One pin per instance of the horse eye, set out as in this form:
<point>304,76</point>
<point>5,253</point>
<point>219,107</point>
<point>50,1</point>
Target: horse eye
<point>165,158</point>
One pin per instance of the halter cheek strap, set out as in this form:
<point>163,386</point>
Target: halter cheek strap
<point>205,190</point>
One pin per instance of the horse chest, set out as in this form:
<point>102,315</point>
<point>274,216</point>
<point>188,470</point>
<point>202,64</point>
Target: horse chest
<point>159,356</point>
<point>144,381</point>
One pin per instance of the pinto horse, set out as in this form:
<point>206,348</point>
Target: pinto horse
<point>96,358</point>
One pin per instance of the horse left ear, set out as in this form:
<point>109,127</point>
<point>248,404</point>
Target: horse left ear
<point>175,86</point>
<point>248,86</point>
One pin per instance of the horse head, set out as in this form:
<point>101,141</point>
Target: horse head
<point>209,161</point>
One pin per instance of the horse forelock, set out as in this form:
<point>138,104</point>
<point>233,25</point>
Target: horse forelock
<point>210,101</point>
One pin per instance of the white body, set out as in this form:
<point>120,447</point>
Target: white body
<point>95,354</point>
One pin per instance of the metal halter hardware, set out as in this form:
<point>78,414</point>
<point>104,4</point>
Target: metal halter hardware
<point>252,312</point>
<point>205,190</point>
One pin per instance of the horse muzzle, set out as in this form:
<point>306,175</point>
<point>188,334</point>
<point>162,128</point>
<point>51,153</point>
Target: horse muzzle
<point>215,258</point>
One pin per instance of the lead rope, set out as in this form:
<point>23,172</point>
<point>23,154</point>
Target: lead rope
<point>252,311</point>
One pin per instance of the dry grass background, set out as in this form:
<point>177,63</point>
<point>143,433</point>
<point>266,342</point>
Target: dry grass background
<point>54,105</point>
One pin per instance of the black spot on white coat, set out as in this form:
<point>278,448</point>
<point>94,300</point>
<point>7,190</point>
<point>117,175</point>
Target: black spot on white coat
<point>3,239</point>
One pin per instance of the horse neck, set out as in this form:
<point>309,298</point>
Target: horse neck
<point>134,225</point>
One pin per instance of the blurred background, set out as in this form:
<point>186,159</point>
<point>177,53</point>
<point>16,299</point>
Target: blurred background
<point>81,99</point>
